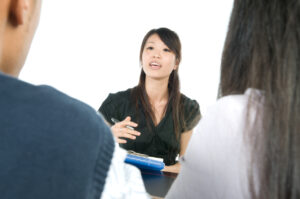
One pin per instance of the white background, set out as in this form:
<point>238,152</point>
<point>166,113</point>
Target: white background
<point>90,48</point>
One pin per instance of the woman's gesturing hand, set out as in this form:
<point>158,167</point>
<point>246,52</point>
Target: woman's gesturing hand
<point>124,129</point>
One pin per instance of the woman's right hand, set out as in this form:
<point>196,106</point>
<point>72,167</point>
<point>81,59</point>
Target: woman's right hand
<point>122,130</point>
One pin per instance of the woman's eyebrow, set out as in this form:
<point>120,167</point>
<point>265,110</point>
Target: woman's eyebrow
<point>150,42</point>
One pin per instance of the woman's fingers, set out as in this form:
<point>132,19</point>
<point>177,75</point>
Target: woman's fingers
<point>121,141</point>
<point>124,132</point>
<point>126,123</point>
<point>125,129</point>
<point>128,133</point>
<point>132,132</point>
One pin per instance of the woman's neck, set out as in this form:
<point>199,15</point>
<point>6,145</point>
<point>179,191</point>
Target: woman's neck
<point>157,90</point>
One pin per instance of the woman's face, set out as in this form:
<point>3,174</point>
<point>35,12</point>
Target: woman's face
<point>157,59</point>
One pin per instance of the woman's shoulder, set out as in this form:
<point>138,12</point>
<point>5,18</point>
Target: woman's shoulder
<point>188,102</point>
<point>116,104</point>
<point>191,112</point>
<point>217,149</point>
<point>118,97</point>
<point>220,129</point>
<point>230,111</point>
<point>239,102</point>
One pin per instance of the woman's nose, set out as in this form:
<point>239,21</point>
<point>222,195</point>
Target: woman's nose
<point>156,54</point>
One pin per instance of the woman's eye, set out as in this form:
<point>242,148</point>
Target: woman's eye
<point>150,48</point>
<point>167,50</point>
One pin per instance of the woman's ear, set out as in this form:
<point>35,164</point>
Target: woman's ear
<point>18,11</point>
<point>176,64</point>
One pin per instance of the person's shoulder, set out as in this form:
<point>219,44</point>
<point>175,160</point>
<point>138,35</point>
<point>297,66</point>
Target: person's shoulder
<point>227,116</point>
<point>237,102</point>
<point>53,105</point>
<point>218,140</point>
<point>191,112</point>
<point>229,106</point>
<point>191,107</point>
<point>232,101</point>
<point>120,96</point>
<point>188,102</point>
<point>233,109</point>
<point>58,99</point>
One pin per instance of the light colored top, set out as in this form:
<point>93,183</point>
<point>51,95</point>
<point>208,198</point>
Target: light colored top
<point>123,180</point>
<point>216,161</point>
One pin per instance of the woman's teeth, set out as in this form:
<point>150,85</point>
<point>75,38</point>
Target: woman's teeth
<point>154,64</point>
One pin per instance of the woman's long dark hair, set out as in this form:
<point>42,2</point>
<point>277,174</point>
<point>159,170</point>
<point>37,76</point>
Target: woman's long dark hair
<point>171,40</point>
<point>262,51</point>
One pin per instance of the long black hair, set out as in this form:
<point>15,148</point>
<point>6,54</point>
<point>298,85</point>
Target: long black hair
<point>262,51</point>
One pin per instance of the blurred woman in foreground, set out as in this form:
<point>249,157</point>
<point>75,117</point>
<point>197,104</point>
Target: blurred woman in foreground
<point>247,145</point>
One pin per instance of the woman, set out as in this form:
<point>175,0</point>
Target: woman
<point>247,145</point>
<point>155,118</point>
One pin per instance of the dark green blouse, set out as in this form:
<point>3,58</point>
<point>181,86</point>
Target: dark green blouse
<point>158,141</point>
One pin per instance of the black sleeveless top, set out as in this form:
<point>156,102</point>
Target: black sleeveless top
<point>158,141</point>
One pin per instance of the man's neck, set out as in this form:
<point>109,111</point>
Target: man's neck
<point>9,71</point>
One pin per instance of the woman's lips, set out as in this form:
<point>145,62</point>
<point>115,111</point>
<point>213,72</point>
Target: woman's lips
<point>155,65</point>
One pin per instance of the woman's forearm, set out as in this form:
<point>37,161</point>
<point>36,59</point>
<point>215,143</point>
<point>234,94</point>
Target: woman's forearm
<point>173,168</point>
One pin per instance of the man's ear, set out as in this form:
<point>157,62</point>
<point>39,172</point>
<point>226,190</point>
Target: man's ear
<point>18,11</point>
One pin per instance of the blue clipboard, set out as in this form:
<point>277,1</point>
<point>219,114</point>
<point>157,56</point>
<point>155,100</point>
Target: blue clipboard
<point>144,162</point>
